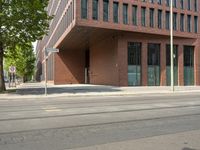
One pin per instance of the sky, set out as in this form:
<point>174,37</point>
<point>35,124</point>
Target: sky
<point>34,45</point>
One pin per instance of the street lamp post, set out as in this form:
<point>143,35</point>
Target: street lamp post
<point>171,45</point>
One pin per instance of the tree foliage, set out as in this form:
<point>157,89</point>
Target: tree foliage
<point>21,22</point>
<point>23,58</point>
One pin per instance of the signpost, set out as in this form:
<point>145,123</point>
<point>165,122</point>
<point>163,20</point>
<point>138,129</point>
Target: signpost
<point>46,53</point>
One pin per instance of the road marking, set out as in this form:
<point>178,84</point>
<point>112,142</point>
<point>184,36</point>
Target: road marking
<point>51,109</point>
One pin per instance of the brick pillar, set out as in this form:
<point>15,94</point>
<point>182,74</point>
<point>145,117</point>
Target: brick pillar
<point>147,17</point>
<point>144,64</point>
<point>77,10</point>
<point>111,11</point>
<point>89,9</point>
<point>122,62</point>
<point>129,13</point>
<point>197,63</point>
<point>101,11</point>
<point>139,15</point>
<point>180,66</point>
<point>120,12</point>
<point>163,65</point>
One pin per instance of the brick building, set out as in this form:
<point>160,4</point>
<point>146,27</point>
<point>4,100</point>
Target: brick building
<point>121,42</point>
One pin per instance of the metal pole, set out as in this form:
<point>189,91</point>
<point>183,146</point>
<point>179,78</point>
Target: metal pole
<point>45,72</point>
<point>171,45</point>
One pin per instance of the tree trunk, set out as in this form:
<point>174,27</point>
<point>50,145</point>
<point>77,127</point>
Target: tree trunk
<point>2,83</point>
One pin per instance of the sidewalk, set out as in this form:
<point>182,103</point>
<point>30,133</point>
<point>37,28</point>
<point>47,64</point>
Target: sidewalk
<point>37,90</point>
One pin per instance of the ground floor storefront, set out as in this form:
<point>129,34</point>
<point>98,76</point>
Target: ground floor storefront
<point>128,60</point>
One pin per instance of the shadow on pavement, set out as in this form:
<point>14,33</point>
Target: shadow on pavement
<point>69,90</point>
<point>186,148</point>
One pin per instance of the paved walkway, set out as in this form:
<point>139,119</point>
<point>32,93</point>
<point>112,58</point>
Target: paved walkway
<point>37,90</point>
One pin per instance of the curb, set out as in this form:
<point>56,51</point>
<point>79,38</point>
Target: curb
<point>8,96</point>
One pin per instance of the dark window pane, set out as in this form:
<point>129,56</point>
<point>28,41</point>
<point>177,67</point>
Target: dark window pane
<point>125,13</point>
<point>105,10</point>
<point>115,12</point>
<point>95,9</point>
<point>151,15</point>
<point>84,4</point>
<point>134,15</point>
<point>159,19</point>
<point>143,19</point>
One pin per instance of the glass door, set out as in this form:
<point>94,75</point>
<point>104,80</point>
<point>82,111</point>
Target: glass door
<point>134,64</point>
<point>188,65</point>
<point>153,64</point>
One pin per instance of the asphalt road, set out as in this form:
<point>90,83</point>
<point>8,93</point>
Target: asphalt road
<point>89,122</point>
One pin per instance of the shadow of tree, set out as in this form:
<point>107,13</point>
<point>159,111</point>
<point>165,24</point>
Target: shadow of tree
<point>70,90</point>
<point>187,148</point>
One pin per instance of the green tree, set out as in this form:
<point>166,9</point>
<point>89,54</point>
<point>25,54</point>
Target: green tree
<point>21,22</point>
<point>23,58</point>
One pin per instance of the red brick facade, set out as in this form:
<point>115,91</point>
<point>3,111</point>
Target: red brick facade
<point>107,43</point>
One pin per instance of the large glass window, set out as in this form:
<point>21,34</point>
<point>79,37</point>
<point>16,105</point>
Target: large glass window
<point>188,65</point>
<point>115,12</point>
<point>159,2</point>
<point>168,64</point>
<point>189,4</point>
<point>105,10</point>
<point>196,24</point>
<point>182,22</point>
<point>143,15</point>
<point>182,4</point>
<point>95,9</point>
<point>134,14</point>
<point>84,6</point>
<point>159,19</point>
<point>167,20</point>
<point>125,13</point>
<point>151,17</point>
<point>167,2</point>
<point>175,3</point>
<point>153,64</point>
<point>189,23</point>
<point>134,64</point>
<point>175,21</point>
<point>195,5</point>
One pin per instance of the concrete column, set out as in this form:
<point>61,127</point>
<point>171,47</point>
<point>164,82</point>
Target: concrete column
<point>180,66</point>
<point>144,64</point>
<point>163,65</point>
